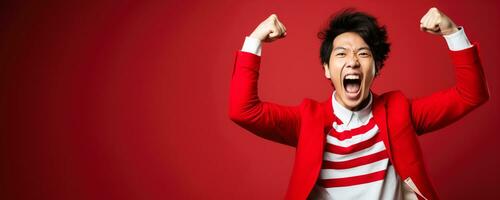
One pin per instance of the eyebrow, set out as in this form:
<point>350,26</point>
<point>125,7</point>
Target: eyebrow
<point>339,48</point>
<point>364,48</point>
<point>343,48</point>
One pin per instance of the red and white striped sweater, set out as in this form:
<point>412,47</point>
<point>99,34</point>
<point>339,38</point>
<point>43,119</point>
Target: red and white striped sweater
<point>355,162</point>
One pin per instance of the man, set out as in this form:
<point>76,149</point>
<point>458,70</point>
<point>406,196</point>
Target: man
<point>357,144</point>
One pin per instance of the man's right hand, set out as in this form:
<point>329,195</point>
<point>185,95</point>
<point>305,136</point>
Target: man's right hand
<point>269,30</point>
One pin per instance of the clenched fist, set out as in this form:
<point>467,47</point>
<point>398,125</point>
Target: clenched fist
<point>436,22</point>
<point>269,30</point>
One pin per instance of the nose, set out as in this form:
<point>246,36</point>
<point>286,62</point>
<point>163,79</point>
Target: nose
<point>352,61</point>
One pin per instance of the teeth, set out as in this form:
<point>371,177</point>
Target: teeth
<point>352,76</point>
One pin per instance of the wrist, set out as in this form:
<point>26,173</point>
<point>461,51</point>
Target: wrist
<point>450,31</point>
<point>256,36</point>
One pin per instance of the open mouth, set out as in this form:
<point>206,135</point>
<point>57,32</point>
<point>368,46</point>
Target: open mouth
<point>352,85</point>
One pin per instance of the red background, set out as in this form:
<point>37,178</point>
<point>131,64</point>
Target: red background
<point>128,100</point>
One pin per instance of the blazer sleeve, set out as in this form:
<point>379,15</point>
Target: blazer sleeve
<point>268,120</point>
<point>445,107</point>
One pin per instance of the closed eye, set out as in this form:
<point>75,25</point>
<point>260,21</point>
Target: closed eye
<point>364,54</point>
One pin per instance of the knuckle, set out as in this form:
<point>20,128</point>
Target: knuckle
<point>274,26</point>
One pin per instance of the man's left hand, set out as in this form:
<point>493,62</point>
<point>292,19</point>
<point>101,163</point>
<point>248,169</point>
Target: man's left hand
<point>436,22</point>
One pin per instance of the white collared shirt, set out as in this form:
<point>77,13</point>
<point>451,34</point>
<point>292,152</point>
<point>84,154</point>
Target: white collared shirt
<point>352,118</point>
<point>343,175</point>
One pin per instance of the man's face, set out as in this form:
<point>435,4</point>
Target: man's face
<point>351,69</point>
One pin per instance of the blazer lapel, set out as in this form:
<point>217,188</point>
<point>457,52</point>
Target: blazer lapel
<point>380,117</point>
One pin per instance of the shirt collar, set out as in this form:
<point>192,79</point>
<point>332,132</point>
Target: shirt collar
<point>346,116</point>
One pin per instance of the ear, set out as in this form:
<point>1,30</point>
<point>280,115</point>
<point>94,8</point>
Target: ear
<point>327,71</point>
<point>374,70</point>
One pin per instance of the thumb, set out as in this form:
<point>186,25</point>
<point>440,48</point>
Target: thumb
<point>274,33</point>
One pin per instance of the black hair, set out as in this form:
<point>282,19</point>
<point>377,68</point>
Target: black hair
<point>365,25</point>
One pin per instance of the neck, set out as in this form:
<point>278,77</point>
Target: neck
<point>363,103</point>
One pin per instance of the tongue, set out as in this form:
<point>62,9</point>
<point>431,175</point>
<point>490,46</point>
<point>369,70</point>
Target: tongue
<point>352,87</point>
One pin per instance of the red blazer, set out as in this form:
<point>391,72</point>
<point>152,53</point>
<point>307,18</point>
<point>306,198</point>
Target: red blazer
<point>400,120</point>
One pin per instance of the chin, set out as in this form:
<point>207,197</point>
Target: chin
<point>353,101</point>
<point>352,104</point>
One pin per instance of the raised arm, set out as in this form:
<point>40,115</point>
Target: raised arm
<point>268,120</point>
<point>470,90</point>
